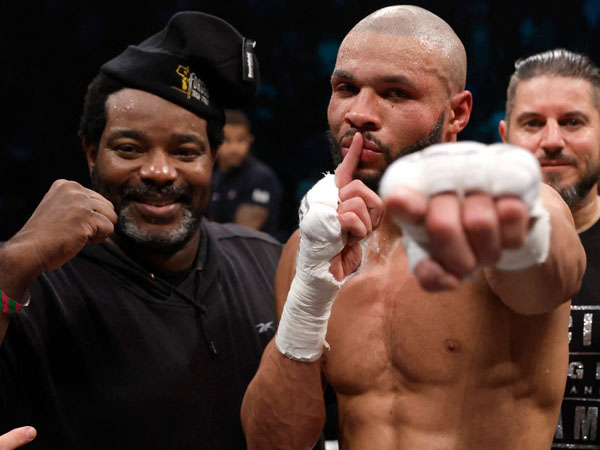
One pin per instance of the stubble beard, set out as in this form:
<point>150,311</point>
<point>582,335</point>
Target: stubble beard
<point>372,179</point>
<point>572,194</point>
<point>159,241</point>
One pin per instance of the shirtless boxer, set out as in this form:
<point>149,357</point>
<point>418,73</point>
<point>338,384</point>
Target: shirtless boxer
<point>460,354</point>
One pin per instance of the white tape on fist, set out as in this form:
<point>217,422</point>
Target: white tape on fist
<point>303,325</point>
<point>463,167</point>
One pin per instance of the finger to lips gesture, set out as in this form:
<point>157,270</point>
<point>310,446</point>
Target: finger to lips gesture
<point>360,209</point>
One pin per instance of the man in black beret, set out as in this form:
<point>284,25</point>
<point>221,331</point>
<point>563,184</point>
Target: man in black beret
<point>148,339</point>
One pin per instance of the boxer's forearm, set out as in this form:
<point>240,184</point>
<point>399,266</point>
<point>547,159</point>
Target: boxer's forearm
<point>543,287</point>
<point>283,407</point>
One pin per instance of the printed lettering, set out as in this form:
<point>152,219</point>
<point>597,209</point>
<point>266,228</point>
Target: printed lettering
<point>588,318</point>
<point>588,390</point>
<point>570,326</point>
<point>250,62</point>
<point>191,85</point>
<point>575,371</point>
<point>586,423</point>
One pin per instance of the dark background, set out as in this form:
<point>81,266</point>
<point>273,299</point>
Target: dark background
<point>51,49</point>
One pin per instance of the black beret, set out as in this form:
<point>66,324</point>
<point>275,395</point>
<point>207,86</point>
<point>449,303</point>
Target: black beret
<point>198,61</point>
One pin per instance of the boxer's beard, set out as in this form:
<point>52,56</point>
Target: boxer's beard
<point>575,192</point>
<point>160,241</point>
<point>372,180</point>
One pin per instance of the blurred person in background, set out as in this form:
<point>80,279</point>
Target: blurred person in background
<point>245,191</point>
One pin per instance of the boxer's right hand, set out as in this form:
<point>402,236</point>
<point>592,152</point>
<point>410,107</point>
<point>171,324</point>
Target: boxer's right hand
<point>359,211</point>
<point>68,217</point>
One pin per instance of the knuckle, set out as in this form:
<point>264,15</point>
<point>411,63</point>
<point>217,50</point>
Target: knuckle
<point>441,228</point>
<point>482,225</point>
<point>464,266</point>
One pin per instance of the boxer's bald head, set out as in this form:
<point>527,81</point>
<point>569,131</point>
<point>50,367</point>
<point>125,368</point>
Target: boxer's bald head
<point>426,28</point>
<point>399,80</point>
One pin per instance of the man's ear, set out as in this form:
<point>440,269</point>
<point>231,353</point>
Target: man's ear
<point>461,105</point>
<point>91,152</point>
<point>503,130</point>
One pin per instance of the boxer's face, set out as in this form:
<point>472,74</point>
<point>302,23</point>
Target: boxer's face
<point>154,164</point>
<point>391,89</point>
<point>556,119</point>
<point>236,146</point>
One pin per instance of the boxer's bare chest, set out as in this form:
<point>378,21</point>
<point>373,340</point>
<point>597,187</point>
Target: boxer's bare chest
<point>387,332</point>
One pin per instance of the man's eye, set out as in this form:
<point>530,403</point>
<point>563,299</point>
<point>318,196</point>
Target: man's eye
<point>396,93</point>
<point>127,150</point>
<point>534,123</point>
<point>185,153</point>
<point>346,88</point>
<point>572,122</point>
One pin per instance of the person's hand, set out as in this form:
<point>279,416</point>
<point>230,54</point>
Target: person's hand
<point>462,236</point>
<point>17,438</point>
<point>68,217</point>
<point>463,217</point>
<point>359,212</point>
<point>335,214</point>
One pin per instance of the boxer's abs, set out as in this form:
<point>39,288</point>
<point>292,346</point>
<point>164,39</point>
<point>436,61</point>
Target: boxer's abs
<point>421,421</point>
<point>417,370</point>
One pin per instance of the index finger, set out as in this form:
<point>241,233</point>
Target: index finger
<point>17,438</point>
<point>344,173</point>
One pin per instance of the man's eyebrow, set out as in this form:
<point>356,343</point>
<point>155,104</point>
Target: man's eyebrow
<point>387,79</point>
<point>133,134</point>
<point>341,74</point>
<point>185,138</point>
<point>531,114</point>
<point>527,115</point>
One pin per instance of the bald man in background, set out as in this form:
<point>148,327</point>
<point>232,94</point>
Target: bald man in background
<point>466,353</point>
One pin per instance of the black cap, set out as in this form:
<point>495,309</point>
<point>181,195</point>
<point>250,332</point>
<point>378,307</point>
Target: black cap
<point>198,61</point>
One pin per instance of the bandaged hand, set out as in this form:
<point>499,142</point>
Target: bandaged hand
<point>467,205</point>
<point>334,216</point>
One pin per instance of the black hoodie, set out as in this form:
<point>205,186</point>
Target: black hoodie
<point>109,355</point>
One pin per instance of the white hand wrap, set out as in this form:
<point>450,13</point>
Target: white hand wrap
<point>303,325</point>
<point>463,167</point>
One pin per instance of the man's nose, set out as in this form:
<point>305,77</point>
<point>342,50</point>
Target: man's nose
<point>552,139</point>
<point>159,167</point>
<point>363,112</point>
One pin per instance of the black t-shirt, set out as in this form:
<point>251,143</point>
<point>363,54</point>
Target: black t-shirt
<point>252,183</point>
<point>111,356</point>
<point>578,422</point>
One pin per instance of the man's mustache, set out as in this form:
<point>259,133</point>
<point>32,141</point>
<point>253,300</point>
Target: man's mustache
<point>149,190</point>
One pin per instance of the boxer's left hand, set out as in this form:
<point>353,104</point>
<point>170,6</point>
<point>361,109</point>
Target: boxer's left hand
<point>464,210</point>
